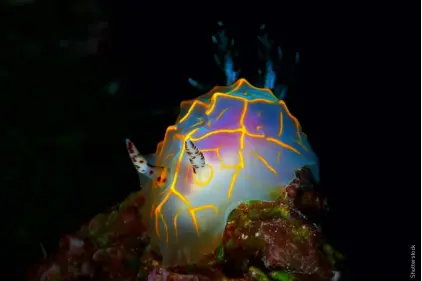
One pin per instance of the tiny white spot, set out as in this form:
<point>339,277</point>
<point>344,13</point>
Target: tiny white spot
<point>244,236</point>
<point>257,234</point>
<point>336,276</point>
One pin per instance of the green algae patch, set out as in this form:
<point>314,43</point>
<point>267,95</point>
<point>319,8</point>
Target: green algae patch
<point>282,276</point>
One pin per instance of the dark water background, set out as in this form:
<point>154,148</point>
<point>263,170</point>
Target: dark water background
<point>64,135</point>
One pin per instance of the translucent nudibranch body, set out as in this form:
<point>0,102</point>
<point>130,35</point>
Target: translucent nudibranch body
<point>250,146</point>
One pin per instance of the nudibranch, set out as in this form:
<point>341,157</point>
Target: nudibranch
<point>235,143</point>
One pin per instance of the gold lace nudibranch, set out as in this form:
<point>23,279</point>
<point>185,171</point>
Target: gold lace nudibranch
<point>232,144</point>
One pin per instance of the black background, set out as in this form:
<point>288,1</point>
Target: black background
<point>356,93</point>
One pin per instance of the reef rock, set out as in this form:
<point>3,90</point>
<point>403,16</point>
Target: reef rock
<point>261,241</point>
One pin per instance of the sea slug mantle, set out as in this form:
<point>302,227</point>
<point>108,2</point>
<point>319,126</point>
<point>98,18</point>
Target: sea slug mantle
<point>233,144</point>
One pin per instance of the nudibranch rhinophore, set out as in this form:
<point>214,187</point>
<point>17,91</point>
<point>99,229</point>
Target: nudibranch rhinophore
<point>235,143</point>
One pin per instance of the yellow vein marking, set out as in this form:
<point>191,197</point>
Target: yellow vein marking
<point>262,159</point>
<point>221,114</point>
